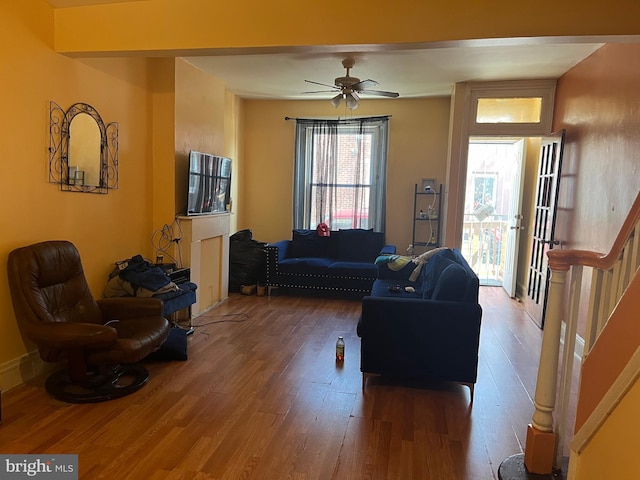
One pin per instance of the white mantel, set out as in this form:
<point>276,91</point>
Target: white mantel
<point>205,250</point>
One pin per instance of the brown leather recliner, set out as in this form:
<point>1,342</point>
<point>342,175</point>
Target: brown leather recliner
<point>102,340</point>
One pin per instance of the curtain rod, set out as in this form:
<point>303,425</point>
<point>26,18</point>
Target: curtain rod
<point>339,119</point>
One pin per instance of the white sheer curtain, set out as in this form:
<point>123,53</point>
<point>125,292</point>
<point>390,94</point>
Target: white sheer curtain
<point>340,173</point>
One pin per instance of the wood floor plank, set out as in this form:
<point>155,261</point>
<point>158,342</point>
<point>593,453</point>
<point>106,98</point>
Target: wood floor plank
<point>262,397</point>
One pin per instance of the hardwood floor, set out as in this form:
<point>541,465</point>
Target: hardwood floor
<point>261,397</point>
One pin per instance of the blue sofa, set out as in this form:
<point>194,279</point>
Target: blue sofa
<point>432,333</point>
<point>343,262</point>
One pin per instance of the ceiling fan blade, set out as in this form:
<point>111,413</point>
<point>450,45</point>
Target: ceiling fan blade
<point>379,93</point>
<point>322,91</point>
<point>364,84</point>
<point>323,84</point>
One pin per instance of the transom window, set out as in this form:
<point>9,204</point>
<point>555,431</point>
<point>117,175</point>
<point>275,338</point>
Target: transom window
<point>509,110</point>
<point>515,108</point>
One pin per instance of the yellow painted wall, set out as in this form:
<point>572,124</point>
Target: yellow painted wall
<point>199,121</point>
<point>163,108</point>
<point>202,24</point>
<point>613,452</point>
<point>418,131</point>
<point>162,116</point>
<point>105,228</point>
<point>190,110</point>
<point>233,150</point>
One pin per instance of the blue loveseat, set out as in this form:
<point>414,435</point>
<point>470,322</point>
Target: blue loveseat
<point>342,262</point>
<point>431,333</point>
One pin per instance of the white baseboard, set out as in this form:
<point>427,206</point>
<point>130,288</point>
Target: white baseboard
<point>22,369</point>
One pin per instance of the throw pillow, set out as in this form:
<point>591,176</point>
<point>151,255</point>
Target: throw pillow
<point>359,245</point>
<point>433,269</point>
<point>307,243</point>
<point>451,284</point>
<point>397,267</point>
<point>394,262</point>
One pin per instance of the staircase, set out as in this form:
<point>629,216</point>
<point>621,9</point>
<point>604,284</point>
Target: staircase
<point>610,285</point>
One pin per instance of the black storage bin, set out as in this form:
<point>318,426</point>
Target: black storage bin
<point>247,260</point>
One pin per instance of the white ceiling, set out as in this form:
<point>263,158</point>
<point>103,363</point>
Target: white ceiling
<point>419,72</point>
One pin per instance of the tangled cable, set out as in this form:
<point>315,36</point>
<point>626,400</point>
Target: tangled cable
<point>162,238</point>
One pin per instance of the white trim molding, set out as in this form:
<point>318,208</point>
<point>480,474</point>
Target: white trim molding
<point>543,89</point>
<point>23,369</point>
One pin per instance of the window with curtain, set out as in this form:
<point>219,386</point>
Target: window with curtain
<point>340,173</point>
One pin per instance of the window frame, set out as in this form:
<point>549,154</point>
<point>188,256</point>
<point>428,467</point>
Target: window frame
<point>377,128</point>
<point>544,89</point>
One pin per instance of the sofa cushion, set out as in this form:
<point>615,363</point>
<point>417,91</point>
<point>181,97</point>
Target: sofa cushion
<point>381,289</point>
<point>473,282</point>
<point>353,269</point>
<point>432,270</point>
<point>307,243</point>
<point>359,245</point>
<point>305,265</point>
<point>451,285</point>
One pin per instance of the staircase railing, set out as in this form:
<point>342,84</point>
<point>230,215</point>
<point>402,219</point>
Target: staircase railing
<point>611,273</point>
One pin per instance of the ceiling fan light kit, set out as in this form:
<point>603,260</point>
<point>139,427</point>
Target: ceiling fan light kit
<point>335,101</point>
<point>352,100</point>
<point>350,88</point>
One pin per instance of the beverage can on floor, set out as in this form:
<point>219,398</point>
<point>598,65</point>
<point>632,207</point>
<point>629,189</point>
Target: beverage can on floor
<point>340,349</point>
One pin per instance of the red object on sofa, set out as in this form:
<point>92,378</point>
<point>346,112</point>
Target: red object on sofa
<point>323,230</point>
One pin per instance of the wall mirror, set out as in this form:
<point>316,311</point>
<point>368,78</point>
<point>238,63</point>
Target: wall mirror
<point>83,151</point>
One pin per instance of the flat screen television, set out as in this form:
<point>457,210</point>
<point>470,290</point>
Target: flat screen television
<point>209,184</point>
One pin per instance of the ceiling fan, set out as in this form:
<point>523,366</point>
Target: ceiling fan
<point>350,88</point>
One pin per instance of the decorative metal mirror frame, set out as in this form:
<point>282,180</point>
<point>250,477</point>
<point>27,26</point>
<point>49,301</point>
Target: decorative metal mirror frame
<point>59,125</point>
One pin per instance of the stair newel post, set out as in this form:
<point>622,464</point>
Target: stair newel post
<point>541,443</point>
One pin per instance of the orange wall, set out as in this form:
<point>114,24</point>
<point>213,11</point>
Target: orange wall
<point>233,149</point>
<point>199,121</point>
<point>598,103</point>
<point>190,110</point>
<point>162,83</point>
<point>162,106</point>
<point>200,24</point>
<point>105,228</point>
<point>418,131</point>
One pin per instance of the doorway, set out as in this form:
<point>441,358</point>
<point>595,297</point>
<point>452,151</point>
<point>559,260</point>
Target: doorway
<point>492,209</point>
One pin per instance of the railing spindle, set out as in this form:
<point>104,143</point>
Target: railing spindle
<point>595,309</point>
<point>568,356</point>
